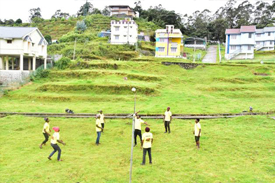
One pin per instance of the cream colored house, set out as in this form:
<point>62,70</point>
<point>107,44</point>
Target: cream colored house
<point>122,10</point>
<point>22,48</point>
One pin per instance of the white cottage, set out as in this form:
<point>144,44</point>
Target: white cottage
<point>240,43</point>
<point>124,32</point>
<point>265,39</point>
<point>22,48</point>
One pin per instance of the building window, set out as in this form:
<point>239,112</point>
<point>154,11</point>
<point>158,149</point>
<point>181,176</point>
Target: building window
<point>131,27</point>
<point>161,49</point>
<point>130,35</point>
<point>269,33</point>
<point>33,44</point>
<point>125,27</point>
<point>116,37</point>
<point>173,49</point>
<point>124,35</point>
<point>258,35</point>
<point>271,42</point>
<point>249,47</point>
<point>233,47</point>
<point>162,40</point>
<point>258,43</point>
<point>9,41</point>
<point>233,37</point>
<point>117,28</point>
<point>250,35</point>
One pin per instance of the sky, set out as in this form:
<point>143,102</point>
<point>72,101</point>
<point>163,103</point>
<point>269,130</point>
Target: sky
<point>14,9</point>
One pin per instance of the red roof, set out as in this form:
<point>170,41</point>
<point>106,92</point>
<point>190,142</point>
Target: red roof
<point>232,31</point>
<point>248,28</point>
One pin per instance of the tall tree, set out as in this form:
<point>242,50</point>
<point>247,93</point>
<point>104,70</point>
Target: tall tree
<point>35,13</point>
<point>244,12</point>
<point>60,14</point>
<point>106,11</point>
<point>85,9</point>
<point>263,13</point>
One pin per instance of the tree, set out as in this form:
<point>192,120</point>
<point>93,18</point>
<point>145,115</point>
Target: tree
<point>85,9</point>
<point>18,21</point>
<point>244,12</point>
<point>263,14</point>
<point>48,39</point>
<point>35,13</point>
<point>80,26</point>
<point>138,7</point>
<point>106,11</point>
<point>96,11</point>
<point>60,14</point>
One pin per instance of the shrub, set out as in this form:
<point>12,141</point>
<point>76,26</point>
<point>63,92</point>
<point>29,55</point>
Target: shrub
<point>63,63</point>
<point>81,26</point>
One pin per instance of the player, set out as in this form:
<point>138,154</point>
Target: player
<point>167,119</point>
<point>46,131</point>
<point>146,144</point>
<point>54,140</point>
<point>197,132</point>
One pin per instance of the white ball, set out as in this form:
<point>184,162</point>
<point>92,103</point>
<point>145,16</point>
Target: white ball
<point>133,89</point>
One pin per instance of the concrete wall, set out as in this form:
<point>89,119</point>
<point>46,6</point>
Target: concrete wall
<point>8,76</point>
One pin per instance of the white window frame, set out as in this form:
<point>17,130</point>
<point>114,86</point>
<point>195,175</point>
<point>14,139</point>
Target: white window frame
<point>116,37</point>
<point>248,47</point>
<point>233,47</point>
<point>234,37</point>
<point>173,49</point>
<point>161,49</point>
<point>116,28</point>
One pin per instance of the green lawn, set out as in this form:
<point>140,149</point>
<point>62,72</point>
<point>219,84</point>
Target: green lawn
<point>232,150</point>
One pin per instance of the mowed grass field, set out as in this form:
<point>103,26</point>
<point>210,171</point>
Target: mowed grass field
<point>232,150</point>
<point>88,86</point>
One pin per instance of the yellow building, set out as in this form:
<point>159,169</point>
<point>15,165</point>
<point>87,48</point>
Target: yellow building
<point>169,42</point>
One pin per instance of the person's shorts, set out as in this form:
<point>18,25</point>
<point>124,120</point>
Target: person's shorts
<point>197,138</point>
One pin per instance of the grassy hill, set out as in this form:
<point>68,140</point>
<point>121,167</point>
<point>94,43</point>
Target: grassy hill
<point>87,86</point>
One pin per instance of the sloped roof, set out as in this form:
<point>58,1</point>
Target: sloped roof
<point>232,31</point>
<point>259,30</point>
<point>119,6</point>
<point>269,29</point>
<point>15,32</point>
<point>248,28</point>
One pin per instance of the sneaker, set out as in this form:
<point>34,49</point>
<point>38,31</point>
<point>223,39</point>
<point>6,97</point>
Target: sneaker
<point>165,132</point>
<point>142,164</point>
<point>60,160</point>
<point>49,158</point>
<point>151,163</point>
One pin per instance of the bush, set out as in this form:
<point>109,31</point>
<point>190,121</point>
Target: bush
<point>81,26</point>
<point>40,73</point>
<point>62,63</point>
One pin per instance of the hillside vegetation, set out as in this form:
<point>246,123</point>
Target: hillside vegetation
<point>86,86</point>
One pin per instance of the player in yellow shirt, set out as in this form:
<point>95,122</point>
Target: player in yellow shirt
<point>137,132</point>
<point>167,119</point>
<point>102,119</point>
<point>98,129</point>
<point>197,132</point>
<point>46,132</point>
<point>54,140</point>
<point>146,144</point>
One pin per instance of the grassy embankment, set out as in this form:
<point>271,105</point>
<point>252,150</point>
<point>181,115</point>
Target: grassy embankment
<point>88,86</point>
<point>232,150</point>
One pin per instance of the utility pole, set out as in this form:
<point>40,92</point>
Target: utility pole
<point>133,130</point>
<point>74,48</point>
<point>194,57</point>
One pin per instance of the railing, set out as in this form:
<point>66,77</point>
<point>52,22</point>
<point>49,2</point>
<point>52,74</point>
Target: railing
<point>234,54</point>
<point>259,48</point>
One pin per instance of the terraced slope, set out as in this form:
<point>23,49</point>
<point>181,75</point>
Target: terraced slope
<point>86,87</point>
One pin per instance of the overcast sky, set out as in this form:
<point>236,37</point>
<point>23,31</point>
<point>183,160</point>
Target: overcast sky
<point>14,9</point>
